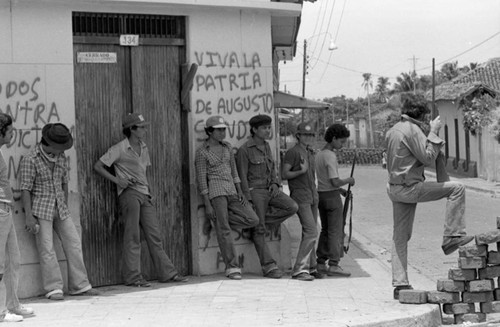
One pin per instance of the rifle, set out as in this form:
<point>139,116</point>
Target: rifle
<point>348,208</point>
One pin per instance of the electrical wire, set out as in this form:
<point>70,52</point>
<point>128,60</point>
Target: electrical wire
<point>326,32</point>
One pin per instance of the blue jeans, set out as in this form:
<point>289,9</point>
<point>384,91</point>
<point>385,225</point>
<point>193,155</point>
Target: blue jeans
<point>78,281</point>
<point>306,256</point>
<point>136,212</point>
<point>10,261</point>
<point>231,214</point>
<point>330,243</point>
<point>404,203</point>
<point>272,211</point>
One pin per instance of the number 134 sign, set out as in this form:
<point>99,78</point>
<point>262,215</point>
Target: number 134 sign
<point>129,40</point>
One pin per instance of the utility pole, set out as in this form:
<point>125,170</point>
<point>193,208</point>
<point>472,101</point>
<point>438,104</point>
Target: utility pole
<point>414,73</point>
<point>304,73</point>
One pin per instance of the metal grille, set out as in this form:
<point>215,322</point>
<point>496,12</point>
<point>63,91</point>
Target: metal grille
<point>109,24</point>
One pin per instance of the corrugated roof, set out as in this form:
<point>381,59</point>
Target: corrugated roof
<point>451,91</point>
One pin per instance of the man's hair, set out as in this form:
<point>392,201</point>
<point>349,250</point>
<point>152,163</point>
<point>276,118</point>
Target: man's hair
<point>337,131</point>
<point>5,122</point>
<point>209,130</point>
<point>415,106</point>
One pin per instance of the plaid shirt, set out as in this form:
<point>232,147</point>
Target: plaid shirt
<point>216,176</point>
<point>44,184</point>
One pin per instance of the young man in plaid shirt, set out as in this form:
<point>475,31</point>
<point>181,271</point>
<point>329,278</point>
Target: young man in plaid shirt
<point>44,194</point>
<point>219,184</point>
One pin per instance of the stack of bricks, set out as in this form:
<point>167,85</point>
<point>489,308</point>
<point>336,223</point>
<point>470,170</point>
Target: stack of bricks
<point>472,290</point>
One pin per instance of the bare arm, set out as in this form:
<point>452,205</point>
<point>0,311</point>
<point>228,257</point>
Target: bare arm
<point>101,170</point>
<point>287,172</point>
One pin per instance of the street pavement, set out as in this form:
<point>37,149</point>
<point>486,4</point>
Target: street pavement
<point>364,299</point>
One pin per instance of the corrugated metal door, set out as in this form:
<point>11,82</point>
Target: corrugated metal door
<point>144,79</point>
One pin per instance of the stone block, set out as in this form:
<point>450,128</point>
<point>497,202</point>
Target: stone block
<point>473,250</point>
<point>443,297</point>
<point>496,294</point>
<point>493,258</point>
<point>462,274</point>
<point>490,307</point>
<point>469,297</point>
<point>448,285</point>
<point>470,318</point>
<point>489,272</point>
<point>480,285</point>
<point>413,296</point>
<point>472,262</point>
<point>458,308</point>
<point>488,237</point>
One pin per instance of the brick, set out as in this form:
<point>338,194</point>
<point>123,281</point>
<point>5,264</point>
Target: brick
<point>462,274</point>
<point>488,237</point>
<point>493,258</point>
<point>448,285</point>
<point>472,262</point>
<point>469,297</point>
<point>459,308</point>
<point>490,307</point>
<point>443,297</point>
<point>489,272</point>
<point>413,296</point>
<point>481,285</point>
<point>470,317</point>
<point>473,250</point>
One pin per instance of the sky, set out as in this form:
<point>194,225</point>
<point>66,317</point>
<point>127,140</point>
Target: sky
<point>386,38</point>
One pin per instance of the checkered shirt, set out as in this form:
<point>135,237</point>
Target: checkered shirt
<point>216,176</point>
<point>44,184</point>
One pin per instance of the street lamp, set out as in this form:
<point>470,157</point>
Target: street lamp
<point>331,47</point>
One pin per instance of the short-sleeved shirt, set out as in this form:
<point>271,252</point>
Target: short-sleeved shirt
<point>216,175</point>
<point>45,184</point>
<point>5,189</point>
<point>326,169</point>
<point>302,187</point>
<point>256,167</point>
<point>129,164</point>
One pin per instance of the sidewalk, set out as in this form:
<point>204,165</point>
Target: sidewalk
<point>364,299</point>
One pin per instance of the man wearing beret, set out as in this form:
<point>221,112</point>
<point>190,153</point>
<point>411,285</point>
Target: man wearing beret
<point>130,159</point>
<point>44,194</point>
<point>299,170</point>
<point>10,257</point>
<point>220,187</point>
<point>261,186</point>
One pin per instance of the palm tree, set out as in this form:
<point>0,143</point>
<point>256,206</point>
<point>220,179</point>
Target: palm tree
<point>404,83</point>
<point>367,84</point>
<point>382,88</point>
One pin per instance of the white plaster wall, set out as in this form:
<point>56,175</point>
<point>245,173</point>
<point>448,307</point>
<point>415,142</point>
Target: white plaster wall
<point>238,49</point>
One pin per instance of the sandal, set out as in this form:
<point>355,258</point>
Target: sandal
<point>234,275</point>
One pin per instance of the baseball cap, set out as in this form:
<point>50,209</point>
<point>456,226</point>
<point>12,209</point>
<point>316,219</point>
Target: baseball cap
<point>305,128</point>
<point>134,119</point>
<point>215,122</point>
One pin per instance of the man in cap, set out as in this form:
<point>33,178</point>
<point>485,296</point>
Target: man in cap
<point>299,170</point>
<point>10,257</point>
<point>44,194</point>
<point>409,150</point>
<point>261,186</point>
<point>130,159</point>
<point>219,184</point>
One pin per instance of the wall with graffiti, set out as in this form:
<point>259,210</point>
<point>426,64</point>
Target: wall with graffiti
<point>234,80</point>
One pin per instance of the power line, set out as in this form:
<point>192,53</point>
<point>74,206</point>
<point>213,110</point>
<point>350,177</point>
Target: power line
<point>327,31</point>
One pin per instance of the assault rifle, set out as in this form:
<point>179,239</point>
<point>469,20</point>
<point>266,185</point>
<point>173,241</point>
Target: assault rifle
<point>348,209</point>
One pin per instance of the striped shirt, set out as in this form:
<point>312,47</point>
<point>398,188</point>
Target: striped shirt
<point>45,184</point>
<point>216,175</point>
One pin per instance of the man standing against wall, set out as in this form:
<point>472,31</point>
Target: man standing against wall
<point>130,159</point>
<point>219,185</point>
<point>299,170</point>
<point>10,258</point>
<point>260,186</point>
<point>44,194</point>
<point>409,150</point>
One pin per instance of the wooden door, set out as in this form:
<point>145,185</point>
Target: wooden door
<point>144,79</point>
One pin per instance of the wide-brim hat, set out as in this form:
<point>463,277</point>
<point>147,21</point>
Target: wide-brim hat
<point>57,136</point>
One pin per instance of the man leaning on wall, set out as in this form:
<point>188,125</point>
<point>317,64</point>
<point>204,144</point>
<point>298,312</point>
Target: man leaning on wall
<point>44,194</point>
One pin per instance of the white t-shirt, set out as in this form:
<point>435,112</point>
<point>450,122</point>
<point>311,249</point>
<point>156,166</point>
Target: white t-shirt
<point>326,169</point>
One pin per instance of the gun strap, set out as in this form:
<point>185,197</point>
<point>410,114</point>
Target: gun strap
<point>346,247</point>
